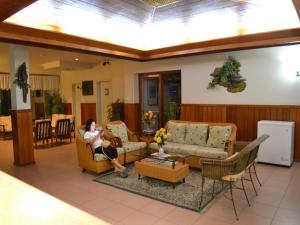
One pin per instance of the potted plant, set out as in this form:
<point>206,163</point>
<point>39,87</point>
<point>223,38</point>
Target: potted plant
<point>115,111</point>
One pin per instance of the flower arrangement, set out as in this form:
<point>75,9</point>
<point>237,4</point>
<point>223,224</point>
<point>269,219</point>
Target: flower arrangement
<point>161,136</point>
<point>148,116</point>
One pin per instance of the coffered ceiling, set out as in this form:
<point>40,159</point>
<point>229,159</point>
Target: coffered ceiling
<point>141,25</point>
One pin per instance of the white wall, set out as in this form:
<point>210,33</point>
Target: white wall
<point>270,73</point>
<point>112,72</point>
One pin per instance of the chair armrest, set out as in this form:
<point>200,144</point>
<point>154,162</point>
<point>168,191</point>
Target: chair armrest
<point>216,169</point>
<point>132,136</point>
<point>229,144</point>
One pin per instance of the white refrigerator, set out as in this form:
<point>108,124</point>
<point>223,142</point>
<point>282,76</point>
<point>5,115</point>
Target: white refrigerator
<point>279,147</point>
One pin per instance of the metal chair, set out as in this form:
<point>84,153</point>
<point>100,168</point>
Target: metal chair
<point>232,169</point>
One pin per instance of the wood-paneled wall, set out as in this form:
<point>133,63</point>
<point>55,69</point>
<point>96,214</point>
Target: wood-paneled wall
<point>39,110</point>
<point>68,108</point>
<point>131,116</point>
<point>88,110</point>
<point>245,117</point>
<point>22,137</point>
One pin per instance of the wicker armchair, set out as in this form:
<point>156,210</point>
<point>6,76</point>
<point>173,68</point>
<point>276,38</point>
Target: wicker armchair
<point>5,125</point>
<point>133,147</point>
<point>232,169</point>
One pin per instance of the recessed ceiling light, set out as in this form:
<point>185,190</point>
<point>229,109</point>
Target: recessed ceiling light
<point>76,59</point>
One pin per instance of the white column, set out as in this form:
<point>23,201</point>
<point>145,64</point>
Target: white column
<point>18,54</point>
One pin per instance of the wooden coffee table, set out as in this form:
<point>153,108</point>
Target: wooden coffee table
<point>173,174</point>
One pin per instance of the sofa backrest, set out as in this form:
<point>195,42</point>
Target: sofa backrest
<point>118,129</point>
<point>201,133</point>
<point>6,121</point>
<point>56,117</point>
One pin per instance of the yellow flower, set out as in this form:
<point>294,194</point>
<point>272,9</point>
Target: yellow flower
<point>165,136</point>
<point>169,135</point>
<point>158,140</point>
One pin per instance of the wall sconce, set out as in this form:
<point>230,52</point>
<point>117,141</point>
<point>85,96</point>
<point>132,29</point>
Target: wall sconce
<point>298,74</point>
<point>106,62</point>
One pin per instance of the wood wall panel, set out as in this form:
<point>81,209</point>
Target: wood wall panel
<point>206,113</point>
<point>68,108</point>
<point>22,137</point>
<point>88,110</point>
<point>295,116</point>
<point>131,116</point>
<point>245,117</point>
<point>39,110</point>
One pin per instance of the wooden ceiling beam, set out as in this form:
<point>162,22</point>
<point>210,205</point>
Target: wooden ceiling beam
<point>10,7</point>
<point>250,41</point>
<point>29,36</point>
<point>297,7</point>
<point>49,39</point>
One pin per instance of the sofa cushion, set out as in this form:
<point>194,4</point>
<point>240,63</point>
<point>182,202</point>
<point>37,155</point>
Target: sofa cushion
<point>218,135</point>
<point>81,132</point>
<point>177,131</point>
<point>6,121</point>
<point>132,146</point>
<point>101,157</point>
<point>196,134</point>
<point>193,150</point>
<point>119,130</point>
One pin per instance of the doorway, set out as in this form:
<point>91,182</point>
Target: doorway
<point>160,92</point>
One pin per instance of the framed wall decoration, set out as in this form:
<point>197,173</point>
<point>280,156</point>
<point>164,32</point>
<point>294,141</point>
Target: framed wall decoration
<point>106,91</point>
<point>87,87</point>
<point>152,91</point>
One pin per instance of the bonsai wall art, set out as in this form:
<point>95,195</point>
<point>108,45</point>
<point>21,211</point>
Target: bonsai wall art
<point>228,76</point>
<point>21,80</point>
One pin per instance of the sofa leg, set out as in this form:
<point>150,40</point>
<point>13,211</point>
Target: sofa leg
<point>83,170</point>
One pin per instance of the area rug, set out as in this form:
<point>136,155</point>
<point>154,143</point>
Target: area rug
<point>186,195</point>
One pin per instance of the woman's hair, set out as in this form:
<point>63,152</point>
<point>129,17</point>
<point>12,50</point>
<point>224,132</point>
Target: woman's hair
<point>88,124</point>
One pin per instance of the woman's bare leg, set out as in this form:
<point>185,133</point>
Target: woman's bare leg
<point>117,165</point>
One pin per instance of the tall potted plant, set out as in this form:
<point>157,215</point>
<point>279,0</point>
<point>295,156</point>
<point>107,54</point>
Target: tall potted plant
<point>115,111</point>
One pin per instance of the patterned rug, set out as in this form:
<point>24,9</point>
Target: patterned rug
<point>186,195</point>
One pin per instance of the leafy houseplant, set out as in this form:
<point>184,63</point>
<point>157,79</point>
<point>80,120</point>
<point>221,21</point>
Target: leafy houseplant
<point>54,104</point>
<point>228,76</point>
<point>115,111</point>
<point>21,80</point>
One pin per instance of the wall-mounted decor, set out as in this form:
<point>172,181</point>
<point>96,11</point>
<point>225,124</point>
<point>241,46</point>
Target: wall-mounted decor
<point>228,76</point>
<point>21,80</point>
<point>87,88</point>
<point>152,91</point>
<point>106,91</point>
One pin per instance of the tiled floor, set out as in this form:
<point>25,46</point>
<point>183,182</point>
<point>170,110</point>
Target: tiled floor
<point>56,172</point>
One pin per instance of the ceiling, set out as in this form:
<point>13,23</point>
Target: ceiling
<point>153,24</point>
<point>50,61</point>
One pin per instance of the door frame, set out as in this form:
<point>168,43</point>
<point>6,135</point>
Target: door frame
<point>160,93</point>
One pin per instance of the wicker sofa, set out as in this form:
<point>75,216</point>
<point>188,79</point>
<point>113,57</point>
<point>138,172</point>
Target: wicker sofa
<point>200,140</point>
<point>98,163</point>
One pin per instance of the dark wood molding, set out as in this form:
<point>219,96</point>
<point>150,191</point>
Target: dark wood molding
<point>249,41</point>
<point>50,39</point>
<point>22,137</point>
<point>10,7</point>
<point>297,7</point>
<point>245,117</point>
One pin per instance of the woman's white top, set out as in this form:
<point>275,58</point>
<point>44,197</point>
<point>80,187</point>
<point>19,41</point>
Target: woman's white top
<point>89,134</point>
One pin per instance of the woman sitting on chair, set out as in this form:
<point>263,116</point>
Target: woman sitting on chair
<point>95,138</point>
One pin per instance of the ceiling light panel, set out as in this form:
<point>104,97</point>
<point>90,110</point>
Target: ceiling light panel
<point>160,3</point>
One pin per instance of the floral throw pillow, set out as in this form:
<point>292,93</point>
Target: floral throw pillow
<point>177,131</point>
<point>218,135</point>
<point>196,134</point>
<point>119,130</point>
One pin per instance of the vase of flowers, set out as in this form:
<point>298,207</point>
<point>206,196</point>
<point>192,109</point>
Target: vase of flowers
<point>160,137</point>
<point>148,116</point>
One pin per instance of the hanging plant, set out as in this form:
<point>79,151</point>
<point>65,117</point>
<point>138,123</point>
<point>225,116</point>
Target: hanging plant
<point>21,80</point>
<point>228,76</point>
